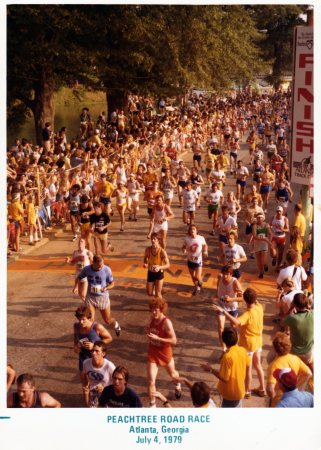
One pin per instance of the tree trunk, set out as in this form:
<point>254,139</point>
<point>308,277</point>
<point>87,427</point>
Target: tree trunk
<point>277,66</point>
<point>116,99</point>
<point>44,105</point>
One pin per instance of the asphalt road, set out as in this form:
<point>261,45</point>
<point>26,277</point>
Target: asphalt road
<point>41,309</point>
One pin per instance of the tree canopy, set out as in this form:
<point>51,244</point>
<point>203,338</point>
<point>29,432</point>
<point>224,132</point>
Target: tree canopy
<point>156,49</point>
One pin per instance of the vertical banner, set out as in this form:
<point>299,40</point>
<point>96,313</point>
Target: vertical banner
<point>302,107</point>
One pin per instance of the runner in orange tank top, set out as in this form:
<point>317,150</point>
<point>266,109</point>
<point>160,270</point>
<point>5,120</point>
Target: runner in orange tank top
<point>162,337</point>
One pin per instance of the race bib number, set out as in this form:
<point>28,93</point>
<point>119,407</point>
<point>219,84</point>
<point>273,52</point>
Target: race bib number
<point>96,289</point>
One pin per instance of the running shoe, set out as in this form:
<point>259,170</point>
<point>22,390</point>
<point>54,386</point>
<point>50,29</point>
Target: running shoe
<point>273,261</point>
<point>195,290</point>
<point>117,329</point>
<point>261,275</point>
<point>74,238</point>
<point>266,268</point>
<point>178,391</point>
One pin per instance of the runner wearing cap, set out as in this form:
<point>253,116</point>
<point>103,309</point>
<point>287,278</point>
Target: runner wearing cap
<point>279,227</point>
<point>261,233</point>
<point>292,397</point>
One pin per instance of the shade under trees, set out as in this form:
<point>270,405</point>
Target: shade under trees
<point>154,49</point>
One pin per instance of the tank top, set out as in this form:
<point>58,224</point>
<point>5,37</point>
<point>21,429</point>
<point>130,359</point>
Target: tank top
<point>277,225</point>
<point>92,336</point>
<point>159,215</point>
<point>227,289</point>
<point>282,194</point>
<point>261,231</point>
<point>36,400</point>
<point>167,185</point>
<point>159,352</point>
<point>154,260</point>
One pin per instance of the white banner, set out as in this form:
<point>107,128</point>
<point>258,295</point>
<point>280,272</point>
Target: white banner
<point>302,112</point>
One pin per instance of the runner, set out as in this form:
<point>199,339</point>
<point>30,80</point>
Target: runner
<point>86,333</point>
<point>233,205</point>
<point>96,374</point>
<point>195,247</point>
<point>134,190</point>
<point>26,395</point>
<point>229,294</point>
<point>279,227</point>
<point>167,186</point>
<point>234,254</point>
<point>267,182</point>
<point>161,337</point>
<point>159,218</point>
<point>190,199</point>
<point>99,226</point>
<point>225,223</point>
<point>121,194</point>
<point>81,257</point>
<point>261,233</point>
<point>241,173</point>
<point>100,281</point>
<point>85,211</point>
<point>156,260</point>
<point>74,201</point>
<point>119,395</point>
<point>214,198</point>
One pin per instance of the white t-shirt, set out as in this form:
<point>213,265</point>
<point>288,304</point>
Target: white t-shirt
<point>189,200</point>
<point>299,276</point>
<point>236,252</point>
<point>214,197</point>
<point>99,375</point>
<point>194,248</point>
<point>242,172</point>
<point>225,226</point>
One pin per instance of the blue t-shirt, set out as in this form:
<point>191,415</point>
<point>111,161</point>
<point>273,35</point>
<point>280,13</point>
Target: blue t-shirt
<point>296,399</point>
<point>129,399</point>
<point>97,279</point>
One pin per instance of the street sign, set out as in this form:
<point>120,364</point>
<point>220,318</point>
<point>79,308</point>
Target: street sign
<point>302,107</point>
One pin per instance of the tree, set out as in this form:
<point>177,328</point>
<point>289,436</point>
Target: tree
<point>45,51</point>
<point>277,22</point>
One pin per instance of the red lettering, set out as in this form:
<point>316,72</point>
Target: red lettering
<point>305,59</point>
<point>307,95</point>
<point>307,112</point>
<point>308,78</point>
<point>304,129</point>
<point>301,145</point>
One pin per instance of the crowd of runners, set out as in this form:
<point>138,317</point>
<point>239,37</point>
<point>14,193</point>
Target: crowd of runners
<point>131,168</point>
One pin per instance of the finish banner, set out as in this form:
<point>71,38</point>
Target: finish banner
<point>302,107</point>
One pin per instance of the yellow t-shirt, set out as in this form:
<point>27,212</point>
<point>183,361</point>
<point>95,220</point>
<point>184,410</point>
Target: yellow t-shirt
<point>233,369</point>
<point>251,328</point>
<point>31,211</point>
<point>210,162</point>
<point>282,362</point>
<point>300,222</point>
<point>15,210</point>
<point>105,188</point>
